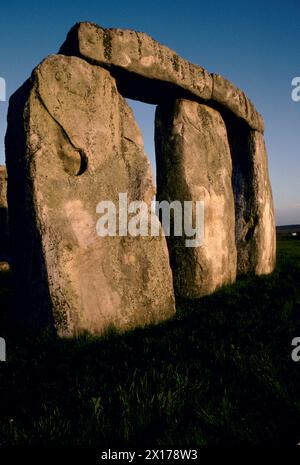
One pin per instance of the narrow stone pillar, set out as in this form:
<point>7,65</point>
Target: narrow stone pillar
<point>255,219</point>
<point>194,163</point>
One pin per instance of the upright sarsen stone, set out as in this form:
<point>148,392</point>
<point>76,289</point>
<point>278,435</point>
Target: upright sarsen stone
<point>264,231</point>
<point>254,210</point>
<point>79,145</point>
<point>194,163</point>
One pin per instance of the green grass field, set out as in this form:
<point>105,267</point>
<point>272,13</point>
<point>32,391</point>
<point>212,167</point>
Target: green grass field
<point>220,373</point>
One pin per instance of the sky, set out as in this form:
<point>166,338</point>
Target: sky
<point>254,44</point>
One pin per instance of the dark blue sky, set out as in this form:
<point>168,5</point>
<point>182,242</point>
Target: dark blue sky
<point>254,44</point>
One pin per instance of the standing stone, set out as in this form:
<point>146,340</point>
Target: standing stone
<point>264,234</point>
<point>194,163</point>
<point>255,219</point>
<point>3,215</point>
<point>80,145</point>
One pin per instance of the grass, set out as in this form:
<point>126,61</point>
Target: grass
<point>220,373</point>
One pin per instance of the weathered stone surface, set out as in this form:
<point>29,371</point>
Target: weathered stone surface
<point>3,214</point>
<point>80,145</point>
<point>228,95</point>
<point>137,52</point>
<point>255,219</point>
<point>194,163</point>
<point>264,233</point>
<point>72,142</point>
<point>148,71</point>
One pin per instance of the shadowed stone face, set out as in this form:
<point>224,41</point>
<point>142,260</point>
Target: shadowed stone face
<point>194,163</point>
<point>82,146</point>
<point>262,240</point>
<point>254,212</point>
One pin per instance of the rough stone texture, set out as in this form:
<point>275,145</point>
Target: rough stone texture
<point>264,234</point>
<point>194,163</point>
<point>3,214</point>
<point>80,145</point>
<point>255,219</point>
<point>132,56</point>
<point>72,142</point>
<point>137,52</point>
<point>228,95</point>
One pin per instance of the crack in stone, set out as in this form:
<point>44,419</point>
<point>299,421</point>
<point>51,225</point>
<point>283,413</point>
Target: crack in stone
<point>82,154</point>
